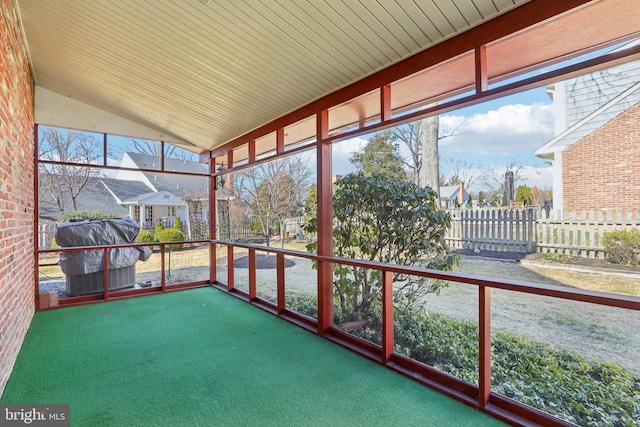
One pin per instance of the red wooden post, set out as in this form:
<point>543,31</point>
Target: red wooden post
<point>484,350</point>
<point>213,249</point>
<point>230,159</point>
<point>280,141</point>
<point>325,227</point>
<point>251,146</point>
<point>280,277</point>
<point>387,316</point>
<point>105,276</point>
<point>163,269</point>
<point>36,239</point>
<point>481,68</point>
<point>385,103</point>
<point>252,274</point>
<point>230,260</point>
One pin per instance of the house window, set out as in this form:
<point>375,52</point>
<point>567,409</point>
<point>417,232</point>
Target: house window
<point>136,213</point>
<point>148,213</point>
<point>171,211</point>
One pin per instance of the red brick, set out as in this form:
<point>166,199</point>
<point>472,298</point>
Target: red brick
<point>602,170</point>
<point>17,300</point>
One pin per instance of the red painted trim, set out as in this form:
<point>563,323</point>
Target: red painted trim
<point>387,316</point>
<point>482,80</point>
<point>213,251</point>
<point>280,141</point>
<point>36,221</point>
<point>385,103</point>
<point>163,268</point>
<point>516,409</point>
<point>325,224</point>
<point>105,273</point>
<point>524,16</point>
<point>230,268</point>
<point>484,349</point>
<point>230,159</point>
<point>252,150</point>
<point>252,274</point>
<point>280,281</point>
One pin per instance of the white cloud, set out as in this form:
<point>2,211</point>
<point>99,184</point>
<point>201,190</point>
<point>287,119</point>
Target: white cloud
<point>342,152</point>
<point>508,130</point>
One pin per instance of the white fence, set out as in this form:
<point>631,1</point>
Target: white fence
<point>531,229</point>
<point>581,233</point>
<point>505,230</point>
<point>46,232</point>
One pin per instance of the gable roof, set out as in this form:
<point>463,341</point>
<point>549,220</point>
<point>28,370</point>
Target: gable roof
<point>123,190</point>
<point>592,100</point>
<point>94,197</point>
<point>591,122</point>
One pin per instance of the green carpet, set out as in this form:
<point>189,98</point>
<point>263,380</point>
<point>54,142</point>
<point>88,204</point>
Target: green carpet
<point>201,357</point>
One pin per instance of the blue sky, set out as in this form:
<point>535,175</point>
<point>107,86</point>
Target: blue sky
<point>493,134</point>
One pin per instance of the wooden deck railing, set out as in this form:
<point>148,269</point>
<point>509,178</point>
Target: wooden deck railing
<point>479,396</point>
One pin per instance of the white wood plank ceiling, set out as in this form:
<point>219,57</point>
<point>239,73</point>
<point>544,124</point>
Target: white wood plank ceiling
<point>206,72</point>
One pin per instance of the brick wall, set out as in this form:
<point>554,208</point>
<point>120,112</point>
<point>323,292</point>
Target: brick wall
<point>16,191</point>
<point>602,170</point>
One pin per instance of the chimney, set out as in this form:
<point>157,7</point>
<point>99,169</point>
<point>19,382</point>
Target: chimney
<point>461,199</point>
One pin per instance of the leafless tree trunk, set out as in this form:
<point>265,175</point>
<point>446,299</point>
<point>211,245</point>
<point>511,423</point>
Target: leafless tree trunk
<point>430,167</point>
<point>64,179</point>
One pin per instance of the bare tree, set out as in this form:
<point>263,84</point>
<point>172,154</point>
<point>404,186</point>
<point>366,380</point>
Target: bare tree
<point>63,181</point>
<point>150,148</point>
<point>461,174</point>
<point>494,176</point>
<point>274,191</point>
<point>421,139</point>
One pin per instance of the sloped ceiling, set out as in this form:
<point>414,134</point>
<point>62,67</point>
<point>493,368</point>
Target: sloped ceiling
<point>202,72</point>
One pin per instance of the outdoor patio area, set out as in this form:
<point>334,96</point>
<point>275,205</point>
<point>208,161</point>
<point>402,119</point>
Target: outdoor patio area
<point>201,357</point>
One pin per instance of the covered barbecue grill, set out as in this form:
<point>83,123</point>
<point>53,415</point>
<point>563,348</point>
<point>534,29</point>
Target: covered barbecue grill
<point>85,269</point>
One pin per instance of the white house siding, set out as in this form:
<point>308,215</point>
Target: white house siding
<point>587,93</point>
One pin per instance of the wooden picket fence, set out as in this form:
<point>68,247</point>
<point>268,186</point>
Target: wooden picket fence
<point>581,233</point>
<point>578,233</point>
<point>504,230</point>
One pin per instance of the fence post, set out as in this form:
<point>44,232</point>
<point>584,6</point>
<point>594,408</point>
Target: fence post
<point>531,244</point>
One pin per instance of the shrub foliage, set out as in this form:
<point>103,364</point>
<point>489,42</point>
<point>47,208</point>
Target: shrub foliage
<point>380,218</point>
<point>622,246</point>
<point>171,235</point>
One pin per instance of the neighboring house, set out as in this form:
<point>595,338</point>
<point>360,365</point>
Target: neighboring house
<point>449,194</point>
<point>596,149</point>
<point>147,196</point>
<point>94,197</point>
<point>152,196</point>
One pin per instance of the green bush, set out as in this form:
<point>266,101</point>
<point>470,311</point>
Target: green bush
<point>90,215</point>
<point>145,236</point>
<point>170,235</point>
<point>178,223</point>
<point>560,382</point>
<point>622,246</point>
<point>158,229</point>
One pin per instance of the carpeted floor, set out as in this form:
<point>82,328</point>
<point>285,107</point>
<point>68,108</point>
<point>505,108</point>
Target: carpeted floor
<point>203,358</point>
